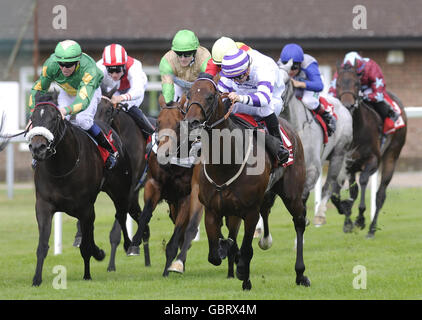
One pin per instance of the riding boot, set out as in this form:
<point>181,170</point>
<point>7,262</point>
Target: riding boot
<point>273,127</point>
<point>102,141</point>
<point>328,118</point>
<point>142,121</point>
<point>385,110</point>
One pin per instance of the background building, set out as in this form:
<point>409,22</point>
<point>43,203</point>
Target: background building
<point>390,32</point>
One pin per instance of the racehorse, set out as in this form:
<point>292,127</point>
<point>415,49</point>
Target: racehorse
<point>226,189</point>
<point>68,177</point>
<point>370,148</point>
<point>134,144</point>
<point>170,182</point>
<point>315,149</point>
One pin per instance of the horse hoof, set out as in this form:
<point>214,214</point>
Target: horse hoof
<point>247,285</point>
<point>360,224</point>
<point>303,281</point>
<point>176,266</point>
<point>266,243</point>
<point>100,255</point>
<point>36,282</point>
<point>111,268</point>
<point>370,235</point>
<point>77,242</point>
<point>319,221</point>
<point>133,251</point>
<point>348,227</point>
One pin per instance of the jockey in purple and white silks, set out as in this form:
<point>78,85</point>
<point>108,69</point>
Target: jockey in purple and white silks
<point>306,79</point>
<point>255,84</point>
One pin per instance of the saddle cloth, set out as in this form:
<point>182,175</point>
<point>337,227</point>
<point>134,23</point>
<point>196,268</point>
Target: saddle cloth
<point>389,125</point>
<point>328,107</point>
<point>286,140</point>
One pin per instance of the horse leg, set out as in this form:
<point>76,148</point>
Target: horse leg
<point>213,229</point>
<point>266,241</point>
<point>152,195</point>
<point>44,213</point>
<point>195,215</point>
<point>78,235</point>
<point>233,224</point>
<point>115,237</point>
<point>88,247</point>
<point>330,184</point>
<point>369,169</point>
<point>182,217</point>
<point>246,250</point>
<point>388,166</point>
<point>295,206</point>
<point>346,205</point>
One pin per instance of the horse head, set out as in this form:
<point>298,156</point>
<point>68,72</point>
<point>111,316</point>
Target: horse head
<point>48,128</point>
<point>204,103</point>
<point>106,110</point>
<point>168,124</point>
<point>348,86</point>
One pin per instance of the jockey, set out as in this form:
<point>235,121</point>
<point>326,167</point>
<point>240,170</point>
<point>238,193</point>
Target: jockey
<point>372,84</point>
<point>255,84</point>
<point>181,65</point>
<point>126,73</point>
<point>306,79</point>
<point>79,80</point>
<point>220,48</point>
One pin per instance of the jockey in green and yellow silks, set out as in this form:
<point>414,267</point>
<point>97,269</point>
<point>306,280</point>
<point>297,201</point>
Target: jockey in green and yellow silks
<point>79,80</point>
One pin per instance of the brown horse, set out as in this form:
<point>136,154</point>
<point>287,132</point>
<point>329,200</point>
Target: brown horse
<point>370,149</point>
<point>172,183</point>
<point>228,190</point>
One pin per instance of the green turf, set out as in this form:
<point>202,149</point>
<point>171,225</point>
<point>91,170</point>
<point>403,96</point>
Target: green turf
<point>392,259</point>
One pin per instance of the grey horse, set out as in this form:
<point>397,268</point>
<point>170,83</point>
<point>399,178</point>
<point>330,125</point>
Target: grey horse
<point>316,152</point>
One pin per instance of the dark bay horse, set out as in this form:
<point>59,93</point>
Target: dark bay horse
<point>68,177</point>
<point>172,183</point>
<point>227,189</point>
<point>127,200</point>
<point>370,149</point>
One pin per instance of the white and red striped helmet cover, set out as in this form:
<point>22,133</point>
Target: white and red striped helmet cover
<point>114,55</point>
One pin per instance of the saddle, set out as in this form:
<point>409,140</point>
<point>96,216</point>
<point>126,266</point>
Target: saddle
<point>246,121</point>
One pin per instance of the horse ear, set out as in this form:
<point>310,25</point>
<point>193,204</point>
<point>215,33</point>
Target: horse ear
<point>106,93</point>
<point>161,101</point>
<point>182,101</point>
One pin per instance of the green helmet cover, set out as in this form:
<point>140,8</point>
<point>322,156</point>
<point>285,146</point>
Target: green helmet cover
<point>185,40</point>
<point>68,51</point>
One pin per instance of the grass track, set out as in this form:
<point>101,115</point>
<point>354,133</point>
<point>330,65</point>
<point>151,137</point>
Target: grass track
<point>392,260</point>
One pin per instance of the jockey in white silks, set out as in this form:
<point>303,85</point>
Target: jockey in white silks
<point>306,79</point>
<point>255,84</point>
<point>126,73</point>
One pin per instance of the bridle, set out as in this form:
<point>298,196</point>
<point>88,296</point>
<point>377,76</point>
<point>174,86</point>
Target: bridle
<point>356,97</point>
<point>208,114</point>
<point>53,142</point>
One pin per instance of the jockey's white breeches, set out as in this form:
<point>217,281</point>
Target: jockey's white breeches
<point>310,99</point>
<point>85,118</point>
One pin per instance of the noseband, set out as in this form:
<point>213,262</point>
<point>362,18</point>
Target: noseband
<point>46,133</point>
